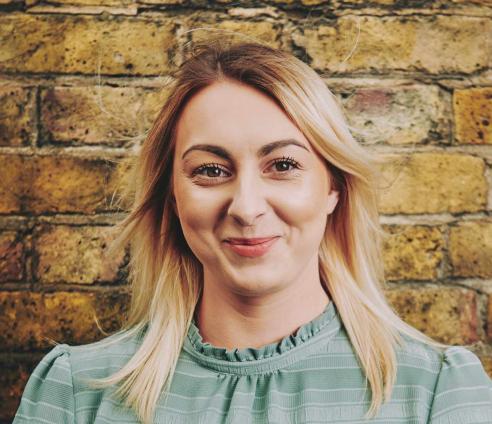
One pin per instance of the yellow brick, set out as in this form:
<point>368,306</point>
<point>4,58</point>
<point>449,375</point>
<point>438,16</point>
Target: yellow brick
<point>40,184</point>
<point>433,183</point>
<point>489,321</point>
<point>434,44</point>
<point>95,115</point>
<point>473,115</point>
<point>264,31</point>
<point>17,116</point>
<point>94,2</point>
<point>29,320</point>
<point>70,184</point>
<point>487,364</point>
<point>76,255</point>
<point>408,114</point>
<point>412,252</point>
<point>448,315</point>
<point>470,249</point>
<point>78,44</point>
<point>14,182</point>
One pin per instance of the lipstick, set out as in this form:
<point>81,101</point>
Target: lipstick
<point>251,248</point>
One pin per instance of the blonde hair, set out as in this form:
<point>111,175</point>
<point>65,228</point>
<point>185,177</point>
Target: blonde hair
<point>166,278</point>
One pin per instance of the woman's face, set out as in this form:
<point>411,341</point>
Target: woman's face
<point>242,169</point>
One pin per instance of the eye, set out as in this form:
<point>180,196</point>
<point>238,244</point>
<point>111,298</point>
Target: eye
<point>286,161</point>
<point>212,170</point>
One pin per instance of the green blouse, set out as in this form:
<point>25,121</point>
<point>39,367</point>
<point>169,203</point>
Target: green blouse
<point>312,376</point>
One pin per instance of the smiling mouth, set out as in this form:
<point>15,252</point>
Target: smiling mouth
<point>251,250</point>
<point>249,241</point>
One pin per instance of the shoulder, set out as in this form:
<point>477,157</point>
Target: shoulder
<point>463,390</point>
<point>454,377</point>
<point>452,357</point>
<point>456,357</point>
<point>461,367</point>
<point>51,390</point>
<point>103,358</point>
<point>417,359</point>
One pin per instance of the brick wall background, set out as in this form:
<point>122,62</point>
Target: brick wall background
<point>81,79</point>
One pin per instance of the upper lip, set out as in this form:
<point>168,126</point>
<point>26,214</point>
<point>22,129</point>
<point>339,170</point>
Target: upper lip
<point>256,240</point>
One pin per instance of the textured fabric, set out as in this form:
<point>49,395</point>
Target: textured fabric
<point>312,376</point>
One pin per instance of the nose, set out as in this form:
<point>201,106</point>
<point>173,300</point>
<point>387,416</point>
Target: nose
<point>247,201</point>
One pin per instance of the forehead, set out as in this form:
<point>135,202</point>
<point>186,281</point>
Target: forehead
<point>233,115</point>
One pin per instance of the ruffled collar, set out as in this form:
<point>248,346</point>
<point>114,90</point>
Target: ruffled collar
<point>307,339</point>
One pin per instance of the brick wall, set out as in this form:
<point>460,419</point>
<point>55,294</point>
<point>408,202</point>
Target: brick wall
<point>81,80</point>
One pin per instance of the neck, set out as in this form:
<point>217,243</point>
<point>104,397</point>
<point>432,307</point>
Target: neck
<point>227,320</point>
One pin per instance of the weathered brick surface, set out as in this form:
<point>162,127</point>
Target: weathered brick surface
<point>67,254</point>
<point>13,379</point>
<point>433,183</point>
<point>448,315</point>
<point>473,115</point>
<point>29,320</point>
<point>397,115</point>
<point>262,30</point>
<point>79,44</point>
<point>117,3</point>
<point>415,75</point>
<point>489,319</point>
<point>14,183</point>
<point>63,184</point>
<point>487,363</point>
<point>17,116</point>
<point>40,184</point>
<point>101,114</point>
<point>432,44</point>
<point>470,249</point>
<point>413,252</point>
<point>12,256</point>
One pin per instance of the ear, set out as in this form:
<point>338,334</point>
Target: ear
<point>332,201</point>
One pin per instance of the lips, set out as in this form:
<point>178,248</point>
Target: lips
<point>252,247</point>
<point>249,241</point>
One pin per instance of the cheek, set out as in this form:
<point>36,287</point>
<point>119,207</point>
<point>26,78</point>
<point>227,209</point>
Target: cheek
<point>305,202</point>
<point>197,211</point>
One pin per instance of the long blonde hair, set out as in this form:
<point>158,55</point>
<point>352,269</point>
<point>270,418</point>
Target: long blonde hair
<point>166,278</point>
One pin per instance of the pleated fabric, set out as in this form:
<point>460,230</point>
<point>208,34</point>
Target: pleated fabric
<point>312,376</point>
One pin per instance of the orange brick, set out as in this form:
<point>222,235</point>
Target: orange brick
<point>17,116</point>
<point>433,183</point>
<point>473,115</point>
<point>67,254</point>
<point>412,252</point>
<point>98,115</point>
<point>11,256</point>
<point>448,315</point>
<point>431,44</point>
<point>470,249</point>
<point>85,44</point>
<point>29,320</point>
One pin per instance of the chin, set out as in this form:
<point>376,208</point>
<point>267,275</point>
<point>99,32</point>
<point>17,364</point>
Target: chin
<point>254,286</point>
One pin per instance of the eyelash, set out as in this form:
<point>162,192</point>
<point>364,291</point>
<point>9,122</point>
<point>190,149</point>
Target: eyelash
<point>286,159</point>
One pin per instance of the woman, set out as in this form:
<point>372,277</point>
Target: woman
<point>256,272</point>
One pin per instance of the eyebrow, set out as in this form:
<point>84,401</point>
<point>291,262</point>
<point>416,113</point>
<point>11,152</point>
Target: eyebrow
<point>263,151</point>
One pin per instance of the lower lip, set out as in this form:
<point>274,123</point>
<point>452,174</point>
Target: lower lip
<point>252,250</point>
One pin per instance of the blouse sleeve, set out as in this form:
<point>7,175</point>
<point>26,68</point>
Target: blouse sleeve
<point>463,392</point>
<point>48,396</point>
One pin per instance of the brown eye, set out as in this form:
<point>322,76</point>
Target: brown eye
<point>282,165</point>
<point>208,170</point>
